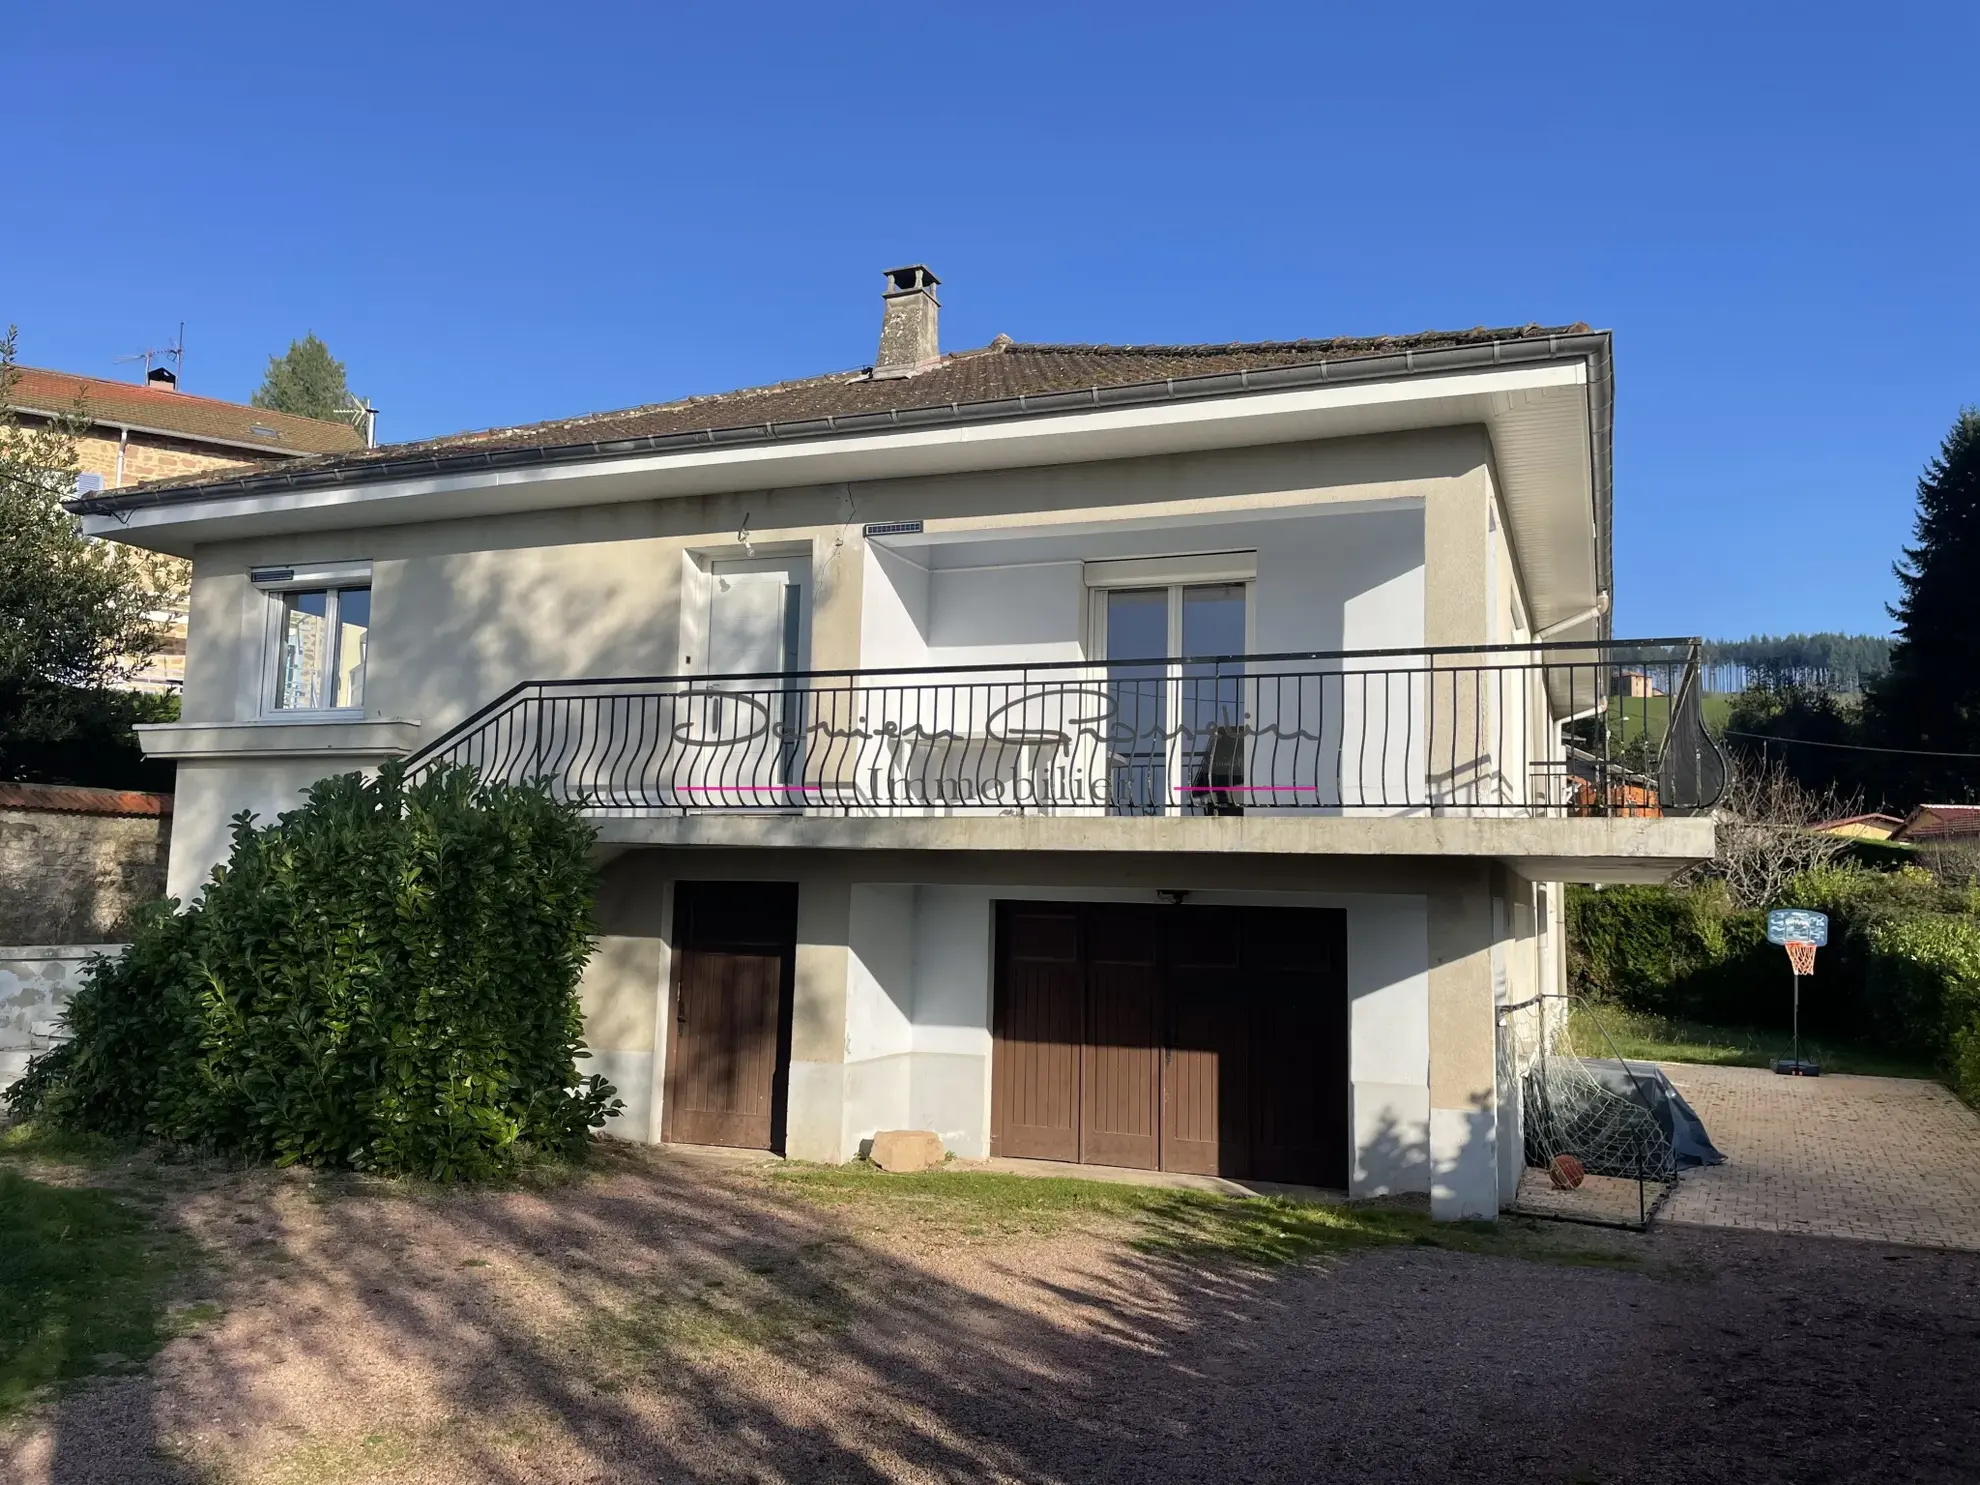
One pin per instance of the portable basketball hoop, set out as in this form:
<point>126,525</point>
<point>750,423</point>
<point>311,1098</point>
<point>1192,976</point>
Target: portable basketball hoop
<point>1801,931</point>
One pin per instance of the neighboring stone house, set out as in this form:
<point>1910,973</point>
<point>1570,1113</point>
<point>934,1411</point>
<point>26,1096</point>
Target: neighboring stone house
<point>1150,756</point>
<point>75,863</point>
<point>147,431</point>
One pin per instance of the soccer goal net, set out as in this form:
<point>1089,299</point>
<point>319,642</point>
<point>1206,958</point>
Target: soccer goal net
<point>1594,1149</point>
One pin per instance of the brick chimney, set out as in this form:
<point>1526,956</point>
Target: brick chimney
<point>161,379</point>
<point>907,323</point>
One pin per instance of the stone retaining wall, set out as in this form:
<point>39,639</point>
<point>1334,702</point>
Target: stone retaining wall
<point>76,863</point>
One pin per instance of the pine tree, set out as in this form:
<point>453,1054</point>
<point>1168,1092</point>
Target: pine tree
<point>308,381</point>
<point>1930,698</point>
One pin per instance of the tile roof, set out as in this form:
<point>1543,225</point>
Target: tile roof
<point>67,799</point>
<point>1940,822</point>
<point>180,413</point>
<point>1003,370</point>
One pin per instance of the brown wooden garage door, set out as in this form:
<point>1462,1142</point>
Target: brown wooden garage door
<point>1200,1039</point>
<point>729,1043</point>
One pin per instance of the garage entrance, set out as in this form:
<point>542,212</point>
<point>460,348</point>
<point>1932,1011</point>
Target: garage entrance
<point>1208,1040</point>
<point>729,1047</point>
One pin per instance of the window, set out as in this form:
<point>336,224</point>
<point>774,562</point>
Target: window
<point>1172,632</point>
<point>319,656</point>
<point>89,484</point>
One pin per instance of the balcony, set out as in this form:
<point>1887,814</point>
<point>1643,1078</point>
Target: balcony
<point>1542,731</point>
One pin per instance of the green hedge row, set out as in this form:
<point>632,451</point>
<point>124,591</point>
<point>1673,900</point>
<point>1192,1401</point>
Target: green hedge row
<point>385,978</point>
<point>1901,970</point>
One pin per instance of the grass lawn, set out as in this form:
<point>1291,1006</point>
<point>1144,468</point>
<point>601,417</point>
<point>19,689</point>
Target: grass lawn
<point>1188,1224</point>
<point>1635,716</point>
<point>1659,1039</point>
<point>85,1279</point>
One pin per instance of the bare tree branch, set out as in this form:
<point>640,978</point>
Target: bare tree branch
<point>1765,835</point>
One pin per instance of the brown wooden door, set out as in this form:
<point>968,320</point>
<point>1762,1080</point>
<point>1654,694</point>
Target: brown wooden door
<point>1037,1033</point>
<point>1121,1073</point>
<point>1205,1077</point>
<point>728,1049</point>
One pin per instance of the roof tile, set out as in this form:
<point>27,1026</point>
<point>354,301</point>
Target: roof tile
<point>68,799</point>
<point>1002,370</point>
<point>180,413</point>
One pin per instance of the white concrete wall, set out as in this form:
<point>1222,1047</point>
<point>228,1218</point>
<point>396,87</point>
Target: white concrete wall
<point>879,1012</point>
<point>464,609</point>
<point>893,616</point>
<point>36,981</point>
<point>1327,580</point>
<point>210,792</point>
<point>950,1092</point>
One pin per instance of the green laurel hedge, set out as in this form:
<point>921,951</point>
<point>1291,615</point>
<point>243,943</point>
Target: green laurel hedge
<point>384,979</point>
<point>1901,971</point>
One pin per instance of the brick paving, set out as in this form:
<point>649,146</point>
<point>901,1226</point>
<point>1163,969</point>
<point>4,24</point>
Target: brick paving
<point>1893,1160</point>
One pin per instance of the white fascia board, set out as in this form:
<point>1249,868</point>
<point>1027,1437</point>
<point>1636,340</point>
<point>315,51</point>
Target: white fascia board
<point>1240,420</point>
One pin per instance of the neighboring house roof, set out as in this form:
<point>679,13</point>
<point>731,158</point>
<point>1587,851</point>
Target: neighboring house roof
<point>66,799</point>
<point>1004,378</point>
<point>1872,826</point>
<point>179,414</point>
<point>1939,822</point>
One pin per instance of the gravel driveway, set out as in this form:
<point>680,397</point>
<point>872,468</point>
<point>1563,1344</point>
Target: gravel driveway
<point>665,1320</point>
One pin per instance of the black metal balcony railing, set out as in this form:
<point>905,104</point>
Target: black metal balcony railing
<point>1459,731</point>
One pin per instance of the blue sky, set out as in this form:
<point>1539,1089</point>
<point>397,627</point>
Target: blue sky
<point>498,215</point>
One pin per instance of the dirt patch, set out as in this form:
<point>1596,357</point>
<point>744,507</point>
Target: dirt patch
<point>659,1319</point>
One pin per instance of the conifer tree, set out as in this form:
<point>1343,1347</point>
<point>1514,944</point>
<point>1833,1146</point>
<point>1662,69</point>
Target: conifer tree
<point>307,381</point>
<point>1930,699</point>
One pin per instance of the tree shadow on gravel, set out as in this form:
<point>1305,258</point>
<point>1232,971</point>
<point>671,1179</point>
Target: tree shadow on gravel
<point>662,1320</point>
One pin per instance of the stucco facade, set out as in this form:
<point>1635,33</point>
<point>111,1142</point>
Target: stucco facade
<point>1345,540</point>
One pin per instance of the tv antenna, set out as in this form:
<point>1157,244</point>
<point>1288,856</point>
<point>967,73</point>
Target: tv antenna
<point>175,350</point>
<point>361,415</point>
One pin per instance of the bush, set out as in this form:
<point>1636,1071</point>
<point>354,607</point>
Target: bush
<point>1901,971</point>
<point>385,978</point>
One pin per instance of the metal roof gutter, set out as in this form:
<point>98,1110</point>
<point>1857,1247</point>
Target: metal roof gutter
<point>1591,346</point>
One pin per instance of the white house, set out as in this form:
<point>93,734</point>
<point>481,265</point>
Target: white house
<point>1160,756</point>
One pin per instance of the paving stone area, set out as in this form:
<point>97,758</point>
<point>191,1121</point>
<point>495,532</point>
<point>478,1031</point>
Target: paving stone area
<point>1893,1160</point>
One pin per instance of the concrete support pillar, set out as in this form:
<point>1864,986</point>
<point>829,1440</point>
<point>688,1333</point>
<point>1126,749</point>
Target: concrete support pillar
<point>1456,567</point>
<point>1457,597</point>
<point>815,1121</point>
<point>622,988</point>
<point>1464,1169</point>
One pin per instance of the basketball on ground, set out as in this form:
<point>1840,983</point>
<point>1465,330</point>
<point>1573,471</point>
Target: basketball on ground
<point>1565,1172</point>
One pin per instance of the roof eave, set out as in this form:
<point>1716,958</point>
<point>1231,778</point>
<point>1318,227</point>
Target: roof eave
<point>1592,346</point>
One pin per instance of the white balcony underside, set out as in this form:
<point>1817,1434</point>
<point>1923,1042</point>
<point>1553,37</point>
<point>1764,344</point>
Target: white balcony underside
<point>1563,850</point>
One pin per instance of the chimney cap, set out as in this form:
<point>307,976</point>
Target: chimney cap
<point>910,279</point>
<point>163,378</point>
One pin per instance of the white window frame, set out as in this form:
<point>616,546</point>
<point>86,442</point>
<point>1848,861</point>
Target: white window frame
<point>1214,569</point>
<point>272,583</point>
<point>1174,574</point>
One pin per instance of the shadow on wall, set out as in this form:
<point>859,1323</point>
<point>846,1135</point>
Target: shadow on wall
<point>590,593</point>
<point>661,1320</point>
<point>77,878</point>
<point>1393,1159</point>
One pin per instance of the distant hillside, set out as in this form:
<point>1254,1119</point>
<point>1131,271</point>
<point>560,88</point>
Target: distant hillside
<point>1833,662</point>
